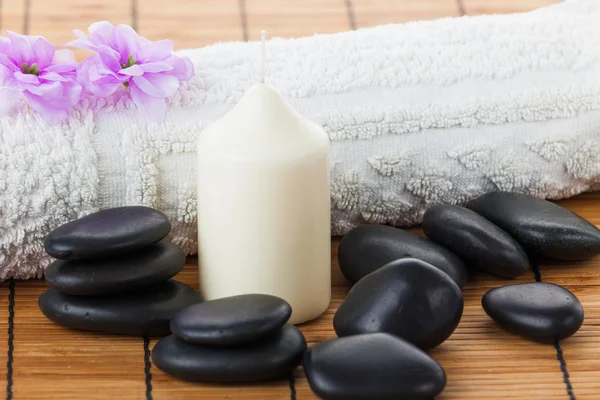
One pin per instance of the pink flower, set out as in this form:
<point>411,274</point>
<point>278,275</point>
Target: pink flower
<point>30,65</point>
<point>123,58</point>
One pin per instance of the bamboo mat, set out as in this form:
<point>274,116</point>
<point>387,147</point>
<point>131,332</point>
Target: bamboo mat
<point>482,361</point>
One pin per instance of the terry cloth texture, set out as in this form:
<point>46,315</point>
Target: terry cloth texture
<point>418,114</point>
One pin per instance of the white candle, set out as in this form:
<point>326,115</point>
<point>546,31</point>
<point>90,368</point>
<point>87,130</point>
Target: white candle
<point>264,204</point>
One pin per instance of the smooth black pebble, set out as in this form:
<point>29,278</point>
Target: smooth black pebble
<point>150,266</point>
<point>367,248</point>
<point>476,239</point>
<point>373,366</point>
<point>231,320</point>
<point>540,226</point>
<point>407,298</point>
<point>108,232</point>
<point>146,312</point>
<point>271,358</point>
<point>544,312</point>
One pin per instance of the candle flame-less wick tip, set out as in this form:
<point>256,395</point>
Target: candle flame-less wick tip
<point>261,73</point>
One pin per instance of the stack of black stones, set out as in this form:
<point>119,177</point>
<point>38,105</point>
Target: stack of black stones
<point>112,274</point>
<point>234,339</point>
<point>407,298</point>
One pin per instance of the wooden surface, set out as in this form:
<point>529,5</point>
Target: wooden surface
<point>482,361</point>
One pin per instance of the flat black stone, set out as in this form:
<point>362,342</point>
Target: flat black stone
<point>540,226</point>
<point>108,232</point>
<point>476,239</point>
<point>231,320</point>
<point>369,247</point>
<point>540,311</point>
<point>147,267</point>
<point>268,359</point>
<point>407,298</point>
<point>373,366</point>
<point>145,312</point>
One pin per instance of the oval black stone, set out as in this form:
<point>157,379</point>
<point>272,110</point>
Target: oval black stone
<point>108,232</point>
<point>147,312</point>
<point>147,267</point>
<point>540,311</point>
<point>367,248</point>
<point>231,320</point>
<point>372,366</point>
<point>407,298</point>
<point>540,226</point>
<point>271,358</point>
<point>476,239</point>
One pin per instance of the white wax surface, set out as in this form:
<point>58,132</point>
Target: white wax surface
<point>264,205</point>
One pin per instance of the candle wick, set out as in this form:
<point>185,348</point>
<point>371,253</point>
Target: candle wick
<point>261,76</point>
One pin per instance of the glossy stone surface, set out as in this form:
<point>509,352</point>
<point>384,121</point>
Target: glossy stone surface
<point>145,312</point>
<point>476,239</point>
<point>540,311</point>
<point>373,366</point>
<point>407,298</point>
<point>369,247</point>
<point>231,320</point>
<point>149,266</point>
<point>271,358</point>
<point>540,226</point>
<point>108,232</point>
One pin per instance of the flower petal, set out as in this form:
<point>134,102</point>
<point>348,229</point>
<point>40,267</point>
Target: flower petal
<point>7,77</point>
<point>126,41</point>
<point>43,52</point>
<point>155,51</point>
<point>21,48</point>
<point>103,86</point>
<point>26,78</point>
<point>156,66</point>
<point>83,41</point>
<point>134,70</point>
<point>50,91</point>
<point>8,63</point>
<point>110,58</point>
<point>72,92</point>
<point>8,97</point>
<point>157,85</point>
<point>53,76</point>
<point>153,108</point>
<point>104,29</point>
<point>5,46</point>
<point>50,112</point>
<point>183,68</point>
<point>64,57</point>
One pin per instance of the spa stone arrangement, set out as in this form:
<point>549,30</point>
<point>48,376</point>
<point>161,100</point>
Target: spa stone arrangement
<point>114,268</point>
<point>112,274</point>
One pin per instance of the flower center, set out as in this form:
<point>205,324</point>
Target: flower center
<point>30,69</point>
<point>130,62</point>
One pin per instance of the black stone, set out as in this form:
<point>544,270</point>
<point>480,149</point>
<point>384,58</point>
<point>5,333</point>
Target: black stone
<point>540,311</point>
<point>271,358</point>
<point>107,233</point>
<point>373,366</point>
<point>147,267</point>
<point>231,320</point>
<point>541,227</point>
<point>476,239</point>
<point>407,298</point>
<point>140,313</point>
<point>369,247</point>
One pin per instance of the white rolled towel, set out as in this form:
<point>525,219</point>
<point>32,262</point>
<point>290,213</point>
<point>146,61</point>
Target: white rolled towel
<point>418,114</point>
